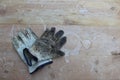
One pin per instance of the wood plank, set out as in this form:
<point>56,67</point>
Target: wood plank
<point>97,13</point>
<point>91,26</point>
<point>89,54</point>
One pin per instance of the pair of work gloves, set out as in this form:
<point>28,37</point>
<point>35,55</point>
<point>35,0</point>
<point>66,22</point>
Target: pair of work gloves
<point>37,52</point>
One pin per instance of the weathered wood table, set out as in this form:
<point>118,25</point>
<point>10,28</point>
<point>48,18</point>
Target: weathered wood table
<point>93,31</point>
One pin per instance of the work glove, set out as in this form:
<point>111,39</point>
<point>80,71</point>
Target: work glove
<point>22,42</point>
<point>37,52</point>
<point>48,45</point>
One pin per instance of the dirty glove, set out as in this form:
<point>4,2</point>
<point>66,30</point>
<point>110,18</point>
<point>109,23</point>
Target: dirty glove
<point>49,44</point>
<point>22,42</point>
<point>37,52</point>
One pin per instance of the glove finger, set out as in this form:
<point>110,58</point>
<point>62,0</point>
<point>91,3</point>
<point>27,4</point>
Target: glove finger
<point>60,53</point>
<point>61,42</point>
<point>51,33</point>
<point>29,33</point>
<point>30,36</point>
<point>58,35</point>
<point>29,57</point>
<point>22,37</point>
<point>57,53</point>
<point>48,33</point>
<point>45,34</point>
<point>15,42</point>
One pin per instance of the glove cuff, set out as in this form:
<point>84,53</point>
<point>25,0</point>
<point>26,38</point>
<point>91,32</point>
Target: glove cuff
<point>39,65</point>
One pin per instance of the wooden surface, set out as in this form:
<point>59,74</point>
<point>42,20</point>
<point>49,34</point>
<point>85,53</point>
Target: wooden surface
<point>93,31</point>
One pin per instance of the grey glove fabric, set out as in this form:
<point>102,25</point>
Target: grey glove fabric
<point>49,44</point>
<point>37,52</point>
<point>22,42</point>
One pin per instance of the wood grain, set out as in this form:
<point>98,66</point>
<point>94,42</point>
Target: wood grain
<point>68,12</point>
<point>91,26</point>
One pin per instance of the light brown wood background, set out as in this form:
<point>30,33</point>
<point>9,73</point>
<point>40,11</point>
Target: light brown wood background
<point>93,31</point>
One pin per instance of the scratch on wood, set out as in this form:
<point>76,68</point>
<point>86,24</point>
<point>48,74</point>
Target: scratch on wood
<point>11,32</point>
